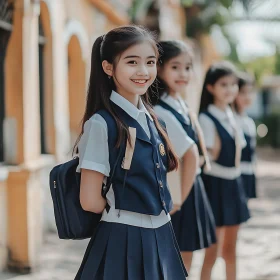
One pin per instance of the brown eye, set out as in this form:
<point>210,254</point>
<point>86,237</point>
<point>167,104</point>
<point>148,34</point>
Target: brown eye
<point>151,62</point>
<point>132,62</point>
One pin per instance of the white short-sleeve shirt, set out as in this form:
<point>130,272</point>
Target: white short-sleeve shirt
<point>93,145</point>
<point>94,155</point>
<point>226,118</point>
<point>177,135</point>
<point>246,124</point>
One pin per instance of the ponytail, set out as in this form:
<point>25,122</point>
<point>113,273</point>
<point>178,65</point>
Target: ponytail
<point>109,47</point>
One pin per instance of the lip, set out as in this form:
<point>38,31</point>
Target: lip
<point>140,82</point>
<point>181,82</point>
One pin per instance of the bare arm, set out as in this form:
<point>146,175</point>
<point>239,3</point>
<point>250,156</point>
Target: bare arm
<point>190,163</point>
<point>90,191</point>
<point>215,151</point>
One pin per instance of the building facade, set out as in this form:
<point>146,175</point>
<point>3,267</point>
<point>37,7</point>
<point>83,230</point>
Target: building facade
<point>44,66</point>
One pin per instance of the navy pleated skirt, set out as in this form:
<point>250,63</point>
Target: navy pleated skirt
<point>194,224</point>
<point>249,184</point>
<point>227,199</point>
<point>124,252</point>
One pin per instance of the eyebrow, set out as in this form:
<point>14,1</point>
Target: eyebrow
<point>136,56</point>
<point>177,62</point>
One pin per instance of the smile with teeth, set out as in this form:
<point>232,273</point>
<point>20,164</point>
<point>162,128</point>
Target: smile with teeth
<point>140,81</point>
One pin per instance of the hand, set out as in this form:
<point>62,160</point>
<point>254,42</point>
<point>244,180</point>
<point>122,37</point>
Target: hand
<point>176,208</point>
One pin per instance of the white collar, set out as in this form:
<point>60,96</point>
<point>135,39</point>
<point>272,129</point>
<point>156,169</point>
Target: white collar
<point>220,114</point>
<point>128,107</point>
<point>176,104</point>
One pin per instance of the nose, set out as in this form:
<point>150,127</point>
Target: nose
<point>184,73</point>
<point>142,70</point>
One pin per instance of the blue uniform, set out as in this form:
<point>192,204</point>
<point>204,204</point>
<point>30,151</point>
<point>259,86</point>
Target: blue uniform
<point>223,183</point>
<point>248,156</point>
<point>135,238</point>
<point>194,224</point>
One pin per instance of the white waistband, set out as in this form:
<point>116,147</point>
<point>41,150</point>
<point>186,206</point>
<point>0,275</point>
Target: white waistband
<point>223,172</point>
<point>135,219</point>
<point>247,168</point>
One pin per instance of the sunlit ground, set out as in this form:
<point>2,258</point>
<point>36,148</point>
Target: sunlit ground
<point>258,247</point>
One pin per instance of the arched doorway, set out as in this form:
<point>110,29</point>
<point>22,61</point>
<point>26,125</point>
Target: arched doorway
<point>6,25</point>
<point>76,86</point>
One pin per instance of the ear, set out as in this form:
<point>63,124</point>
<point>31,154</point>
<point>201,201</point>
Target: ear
<point>107,68</point>
<point>209,88</point>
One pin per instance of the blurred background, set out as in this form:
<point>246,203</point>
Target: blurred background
<point>44,67</point>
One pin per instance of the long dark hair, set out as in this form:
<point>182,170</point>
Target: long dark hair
<point>214,73</point>
<point>109,47</point>
<point>169,50</point>
<point>244,79</point>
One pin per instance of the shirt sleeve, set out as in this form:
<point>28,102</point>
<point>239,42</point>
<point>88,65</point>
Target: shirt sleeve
<point>177,135</point>
<point>209,130</point>
<point>93,146</point>
<point>241,137</point>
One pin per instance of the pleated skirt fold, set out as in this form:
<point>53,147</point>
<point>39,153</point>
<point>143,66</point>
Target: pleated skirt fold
<point>249,184</point>
<point>228,200</point>
<point>194,225</point>
<point>124,252</point>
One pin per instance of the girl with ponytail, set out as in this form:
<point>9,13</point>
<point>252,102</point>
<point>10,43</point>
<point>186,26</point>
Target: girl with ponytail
<point>123,142</point>
<point>223,184</point>
<point>193,223</point>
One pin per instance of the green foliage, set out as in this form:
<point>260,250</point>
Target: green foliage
<point>187,3</point>
<point>273,136</point>
<point>211,12</point>
<point>260,67</point>
<point>277,62</point>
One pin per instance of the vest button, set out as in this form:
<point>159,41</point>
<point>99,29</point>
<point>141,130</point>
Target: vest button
<point>161,184</point>
<point>163,203</point>
<point>157,165</point>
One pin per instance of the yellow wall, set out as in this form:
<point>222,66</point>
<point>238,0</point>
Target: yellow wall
<point>70,27</point>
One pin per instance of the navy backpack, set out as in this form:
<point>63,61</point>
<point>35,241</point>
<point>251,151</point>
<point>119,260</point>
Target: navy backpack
<point>72,221</point>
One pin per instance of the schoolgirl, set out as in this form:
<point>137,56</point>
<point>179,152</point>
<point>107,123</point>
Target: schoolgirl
<point>134,239</point>
<point>223,184</point>
<point>243,100</point>
<point>193,224</point>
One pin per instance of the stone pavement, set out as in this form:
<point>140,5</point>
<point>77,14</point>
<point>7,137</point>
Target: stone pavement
<point>258,245</point>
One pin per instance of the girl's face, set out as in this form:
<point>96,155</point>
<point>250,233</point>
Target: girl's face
<point>135,70</point>
<point>245,97</point>
<point>224,90</point>
<point>176,73</point>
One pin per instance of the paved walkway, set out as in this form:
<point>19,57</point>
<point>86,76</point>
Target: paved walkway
<point>258,245</point>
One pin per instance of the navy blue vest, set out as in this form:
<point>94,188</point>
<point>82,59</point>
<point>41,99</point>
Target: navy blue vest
<point>227,153</point>
<point>187,125</point>
<point>146,189</point>
<point>248,152</point>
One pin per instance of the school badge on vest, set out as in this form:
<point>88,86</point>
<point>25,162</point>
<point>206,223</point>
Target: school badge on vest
<point>161,149</point>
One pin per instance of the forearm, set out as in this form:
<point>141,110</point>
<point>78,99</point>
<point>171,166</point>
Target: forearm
<point>90,193</point>
<point>190,163</point>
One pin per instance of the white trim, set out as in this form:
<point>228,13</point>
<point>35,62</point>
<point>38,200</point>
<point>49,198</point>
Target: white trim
<point>247,168</point>
<point>51,8</point>
<point>228,173</point>
<point>132,218</point>
<point>75,28</point>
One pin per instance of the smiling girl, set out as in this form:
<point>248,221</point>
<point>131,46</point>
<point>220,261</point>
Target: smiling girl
<point>134,239</point>
<point>193,224</point>
<point>223,184</point>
